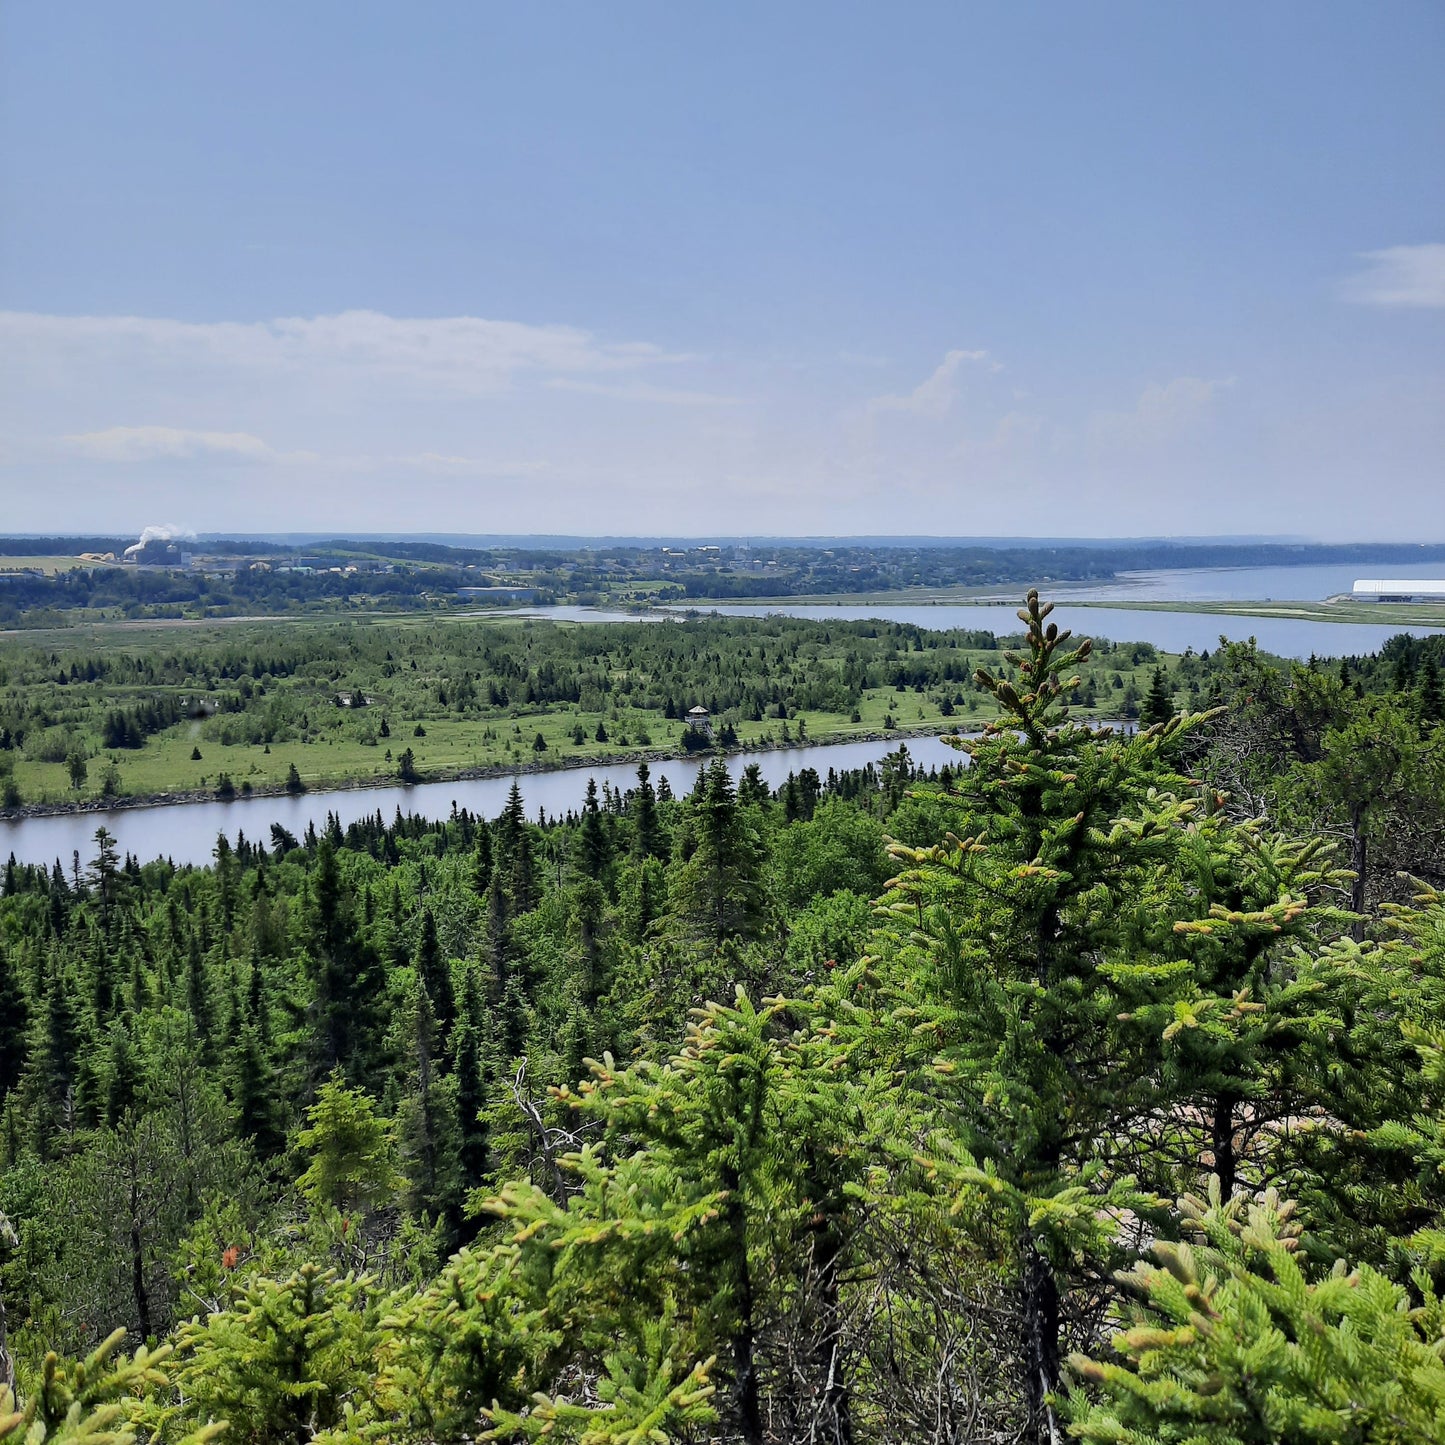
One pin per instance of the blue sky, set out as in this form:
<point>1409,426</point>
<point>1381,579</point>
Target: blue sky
<point>965,269</point>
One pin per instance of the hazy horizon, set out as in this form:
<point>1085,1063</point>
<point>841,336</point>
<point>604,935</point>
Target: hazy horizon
<point>651,539</point>
<point>1103,272</point>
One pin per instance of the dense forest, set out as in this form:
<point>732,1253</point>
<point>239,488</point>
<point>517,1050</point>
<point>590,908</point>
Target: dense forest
<point>1094,1088</point>
<point>54,600</point>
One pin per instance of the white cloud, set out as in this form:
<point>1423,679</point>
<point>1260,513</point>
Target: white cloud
<point>1411,276</point>
<point>934,396</point>
<point>1161,413</point>
<point>156,443</point>
<point>466,353</point>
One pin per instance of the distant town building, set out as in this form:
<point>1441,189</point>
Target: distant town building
<point>156,552</point>
<point>699,721</point>
<point>1395,589</point>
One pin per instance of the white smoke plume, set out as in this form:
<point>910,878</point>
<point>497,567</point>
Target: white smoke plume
<point>163,533</point>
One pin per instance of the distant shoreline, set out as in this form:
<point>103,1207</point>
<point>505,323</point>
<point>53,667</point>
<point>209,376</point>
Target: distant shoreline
<point>1343,610</point>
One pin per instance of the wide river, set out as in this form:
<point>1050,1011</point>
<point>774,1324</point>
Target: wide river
<point>186,832</point>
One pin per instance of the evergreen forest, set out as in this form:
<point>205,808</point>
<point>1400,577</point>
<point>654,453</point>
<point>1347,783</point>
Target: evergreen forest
<point>1092,1088</point>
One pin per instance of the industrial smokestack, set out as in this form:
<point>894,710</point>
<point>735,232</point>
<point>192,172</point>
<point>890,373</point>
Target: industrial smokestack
<point>163,533</point>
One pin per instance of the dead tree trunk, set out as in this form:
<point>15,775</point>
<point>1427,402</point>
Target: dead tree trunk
<point>1222,1143</point>
<point>835,1414</point>
<point>1041,1341</point>
<point>745,1369</point>
<point>137,1265</point>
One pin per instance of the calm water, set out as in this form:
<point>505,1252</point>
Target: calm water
<point>186,832</point>
<point>567,613</point>
<point>1243,584</point>
<point>1172,631</point>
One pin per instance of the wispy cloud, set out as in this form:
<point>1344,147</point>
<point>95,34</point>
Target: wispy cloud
<point>934,396</point>
<point>158,443</point>
<point>465,353</point>
<point>1164,409</point>
<point>1408,276</point>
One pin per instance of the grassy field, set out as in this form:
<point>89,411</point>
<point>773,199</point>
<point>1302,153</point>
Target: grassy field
<point>1385,614</point>
<point>208,631</point>
<point>49,565</point>
<point>451,746</point>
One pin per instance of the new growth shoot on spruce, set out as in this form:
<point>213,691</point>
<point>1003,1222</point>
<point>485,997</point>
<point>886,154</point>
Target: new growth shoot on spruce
<point>1041,706</point>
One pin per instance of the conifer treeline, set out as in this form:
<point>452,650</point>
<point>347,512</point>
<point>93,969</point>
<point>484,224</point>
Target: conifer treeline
<point>670,1121</point>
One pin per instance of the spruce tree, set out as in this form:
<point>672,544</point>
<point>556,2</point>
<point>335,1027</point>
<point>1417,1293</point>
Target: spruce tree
<point>346,984</point>
<point>482,858</point>
<point>516,854</point>
<point>496,943</point>
<point>718,892</point>
<point>586,956</point>
<point>593,852</point>
<point>646,828</point>
<point>1430,700</point>
<point>52,1055</point>
<point>198,994</point>
<point>1158,703</point>
<point>998,979</point>
<point>753,790</point>
<point>122,1073</point>
<point>434,974</point>
<point>252,1086</point>
<point>105,873</point>
<point>428,1132</point>
<point>258,1002</point>
<point>350,1148</point>
<point>285,1363</point>
<point>471,1082</point>
<point>697,1152</point>
<point>1235,1339</point>
<point>13,1016</point>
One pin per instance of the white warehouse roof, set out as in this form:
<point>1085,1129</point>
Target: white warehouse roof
<point>1400,587</point>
